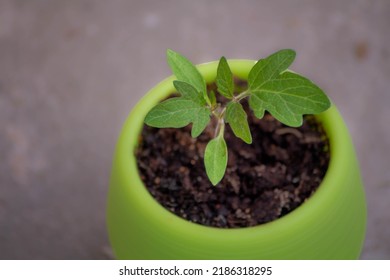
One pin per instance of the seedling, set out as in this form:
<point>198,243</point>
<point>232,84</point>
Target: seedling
<point>271,87</point>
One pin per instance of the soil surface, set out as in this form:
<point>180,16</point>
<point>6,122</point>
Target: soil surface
<point>263,182</point>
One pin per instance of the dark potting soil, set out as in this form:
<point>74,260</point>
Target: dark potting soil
<point>264,181</point>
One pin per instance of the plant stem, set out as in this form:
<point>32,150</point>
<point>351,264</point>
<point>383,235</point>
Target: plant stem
<point>241,96</point>
<point>220,129</point>
<point>219,112</point>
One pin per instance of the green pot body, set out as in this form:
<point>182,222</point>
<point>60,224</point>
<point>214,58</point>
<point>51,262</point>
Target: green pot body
<point>329,225</point>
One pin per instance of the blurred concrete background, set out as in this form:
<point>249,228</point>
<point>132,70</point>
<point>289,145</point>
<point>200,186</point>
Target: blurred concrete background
<point>70,71</point>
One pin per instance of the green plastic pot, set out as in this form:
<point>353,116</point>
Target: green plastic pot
<point>329,225</point>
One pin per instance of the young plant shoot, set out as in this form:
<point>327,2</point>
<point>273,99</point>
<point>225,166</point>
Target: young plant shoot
<point>271,87</point>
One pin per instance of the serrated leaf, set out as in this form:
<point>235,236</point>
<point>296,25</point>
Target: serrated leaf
<point>238,121</point>
<point>200,121</point>
<point>187,91</point>
<point>270,68</point>
<point>224,79</point>
<point>174,112</point>
<point>289,96</point>
<point>215,159</point>
<point>185,71</point>
<point>257,105</point>
<point>177,112</point>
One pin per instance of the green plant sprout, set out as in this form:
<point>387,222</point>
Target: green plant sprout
<point>271,87</point>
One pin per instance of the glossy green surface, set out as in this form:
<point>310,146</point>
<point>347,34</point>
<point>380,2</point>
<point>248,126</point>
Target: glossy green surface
<point>330,225</point>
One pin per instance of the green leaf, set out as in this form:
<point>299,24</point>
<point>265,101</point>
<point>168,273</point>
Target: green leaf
<point>200,121</point>
<point>257,105</point>
<point>237,119</point>
<point>270,68</point>
<point>224,79</point>
<point>174,112</point>
<point>180,111</point>
<point>215,159</point>
<point>213,98</point>
<point>187,91</point>
<point>185,71</point>
<point>287,97</point>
